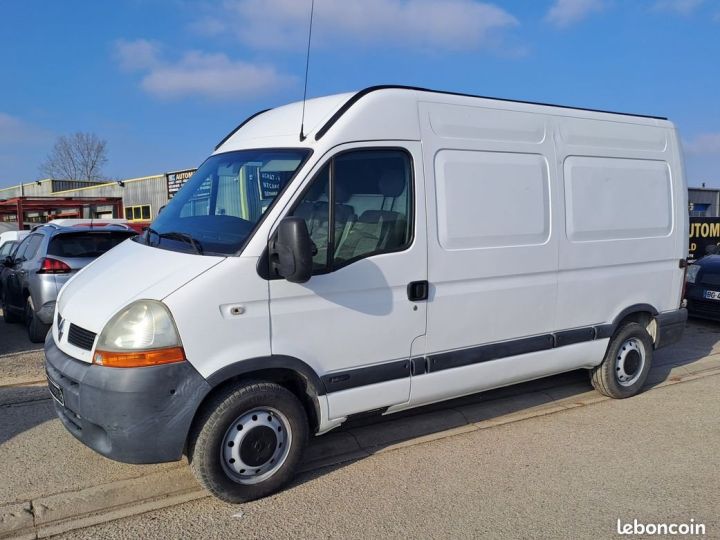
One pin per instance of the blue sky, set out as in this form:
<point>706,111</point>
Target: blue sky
<point>163,81</point>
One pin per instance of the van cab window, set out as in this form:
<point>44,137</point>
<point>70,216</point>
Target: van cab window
<point>218,208</point>
<point>370,193</point>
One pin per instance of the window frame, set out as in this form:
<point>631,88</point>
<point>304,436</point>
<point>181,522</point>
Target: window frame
<point>330,265</point>
<point>140,206</point>
<point>24,244</point>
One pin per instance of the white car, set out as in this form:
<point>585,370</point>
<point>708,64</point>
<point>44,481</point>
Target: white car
<point>409,247</point>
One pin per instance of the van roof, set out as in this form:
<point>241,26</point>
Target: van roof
<point>322,113</point>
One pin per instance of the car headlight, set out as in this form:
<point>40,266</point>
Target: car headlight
<point>141,334</point>
<point>692,273</point>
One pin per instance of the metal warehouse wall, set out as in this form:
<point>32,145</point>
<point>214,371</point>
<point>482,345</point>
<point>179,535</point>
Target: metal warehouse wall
<point>700,196</point>
<point>150,190</point>
<point>31,189</point>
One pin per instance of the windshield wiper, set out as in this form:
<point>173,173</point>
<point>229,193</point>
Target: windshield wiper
<point>148,232</point>
<point>183,237</point>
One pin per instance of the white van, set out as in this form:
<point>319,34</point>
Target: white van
<point>410,246</point>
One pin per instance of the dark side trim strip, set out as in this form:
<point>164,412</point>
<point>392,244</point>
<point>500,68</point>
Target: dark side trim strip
<point>352,378</point>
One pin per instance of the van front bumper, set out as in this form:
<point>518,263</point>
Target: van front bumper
<point>133,415</point>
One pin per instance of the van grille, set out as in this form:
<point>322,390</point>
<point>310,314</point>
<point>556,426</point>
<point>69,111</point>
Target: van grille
<point>81,338</point>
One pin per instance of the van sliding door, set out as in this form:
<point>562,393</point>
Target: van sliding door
<point>492,247</point>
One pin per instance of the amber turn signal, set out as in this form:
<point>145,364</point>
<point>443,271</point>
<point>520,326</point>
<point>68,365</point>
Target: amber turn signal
<point>127,359</point>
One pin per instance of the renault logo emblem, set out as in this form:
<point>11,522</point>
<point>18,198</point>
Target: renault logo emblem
<point>61,327</point>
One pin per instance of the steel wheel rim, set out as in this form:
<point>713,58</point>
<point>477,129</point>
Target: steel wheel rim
<point>249,455</point>
<point>630,362</point>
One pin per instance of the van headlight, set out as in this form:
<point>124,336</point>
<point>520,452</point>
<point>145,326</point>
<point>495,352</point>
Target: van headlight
<point>692,273</point>
<point>141,334</point>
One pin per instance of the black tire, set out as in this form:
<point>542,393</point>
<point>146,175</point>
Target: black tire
<point>627,362</point>
<point>37,330</point>
<point>216,421</point>
<point>8,316</point>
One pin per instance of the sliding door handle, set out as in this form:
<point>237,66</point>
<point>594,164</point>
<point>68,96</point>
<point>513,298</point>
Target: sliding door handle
<point>418,290</point>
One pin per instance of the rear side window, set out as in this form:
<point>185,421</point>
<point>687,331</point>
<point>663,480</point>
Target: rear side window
<point>7,248</point>
<point>28,247</point>
<point>85,244</point>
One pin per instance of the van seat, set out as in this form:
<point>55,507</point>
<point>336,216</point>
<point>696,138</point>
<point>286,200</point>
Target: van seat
<point>375,230</point>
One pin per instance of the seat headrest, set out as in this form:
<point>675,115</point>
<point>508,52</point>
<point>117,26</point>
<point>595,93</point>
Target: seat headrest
<point>342,194</point>
<point>375,216</point>
<point>392,183</point>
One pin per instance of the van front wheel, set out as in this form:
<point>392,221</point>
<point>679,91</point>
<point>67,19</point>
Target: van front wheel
<point>248,441</point>
<point>627,363</point>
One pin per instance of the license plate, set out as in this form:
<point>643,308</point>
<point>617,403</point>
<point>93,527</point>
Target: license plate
<point>712,295</point>
<point>56,392</point>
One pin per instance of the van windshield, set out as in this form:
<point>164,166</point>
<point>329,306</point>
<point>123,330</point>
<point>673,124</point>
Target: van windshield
<point>218,208</point>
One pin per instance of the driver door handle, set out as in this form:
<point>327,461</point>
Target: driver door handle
<point>418,290</point>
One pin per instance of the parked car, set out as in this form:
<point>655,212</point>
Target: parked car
<point>6,251</point>
<point>12,236</point>
<point>42,263</point>
<point>7,247</point>
<point>412,246</point>
<point>703,288</point>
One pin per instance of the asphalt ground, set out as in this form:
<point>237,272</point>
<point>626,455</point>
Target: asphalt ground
<point>383,481</point>
<point>571,474</point>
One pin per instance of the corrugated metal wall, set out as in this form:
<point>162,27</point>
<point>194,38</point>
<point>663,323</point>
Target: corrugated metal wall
<point>702,196</point>
<point>150,190</point>
<point>31,189</point>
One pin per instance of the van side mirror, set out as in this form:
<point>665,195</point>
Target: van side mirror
<point>291,250</point>
<point>7,261</point>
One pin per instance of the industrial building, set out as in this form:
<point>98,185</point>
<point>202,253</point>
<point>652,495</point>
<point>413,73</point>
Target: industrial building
<point>704,202</point>
<point>141,197</point>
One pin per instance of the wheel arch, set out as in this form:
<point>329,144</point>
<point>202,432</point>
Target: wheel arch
<point>643,314</point>
<point>287,371</point>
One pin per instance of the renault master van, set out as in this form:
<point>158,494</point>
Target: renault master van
<point>407,247</point>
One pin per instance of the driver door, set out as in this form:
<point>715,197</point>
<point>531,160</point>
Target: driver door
<point>354,321</point>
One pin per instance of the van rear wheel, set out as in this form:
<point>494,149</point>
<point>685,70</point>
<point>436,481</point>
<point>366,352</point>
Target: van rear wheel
<point>627,363</point>
<point>248,441</point>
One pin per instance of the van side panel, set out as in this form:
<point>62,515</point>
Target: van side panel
<point>492,243</point>
<point>620,244</point>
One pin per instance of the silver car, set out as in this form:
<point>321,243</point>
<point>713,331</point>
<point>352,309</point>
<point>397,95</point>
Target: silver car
<point>31,278</point>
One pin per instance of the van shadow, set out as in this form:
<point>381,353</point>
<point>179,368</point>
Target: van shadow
<point>700,340</point>
<point>363,437</point>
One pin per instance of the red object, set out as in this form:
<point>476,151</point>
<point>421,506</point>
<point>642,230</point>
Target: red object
<point>57,206</point>
<point>53,266</point>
